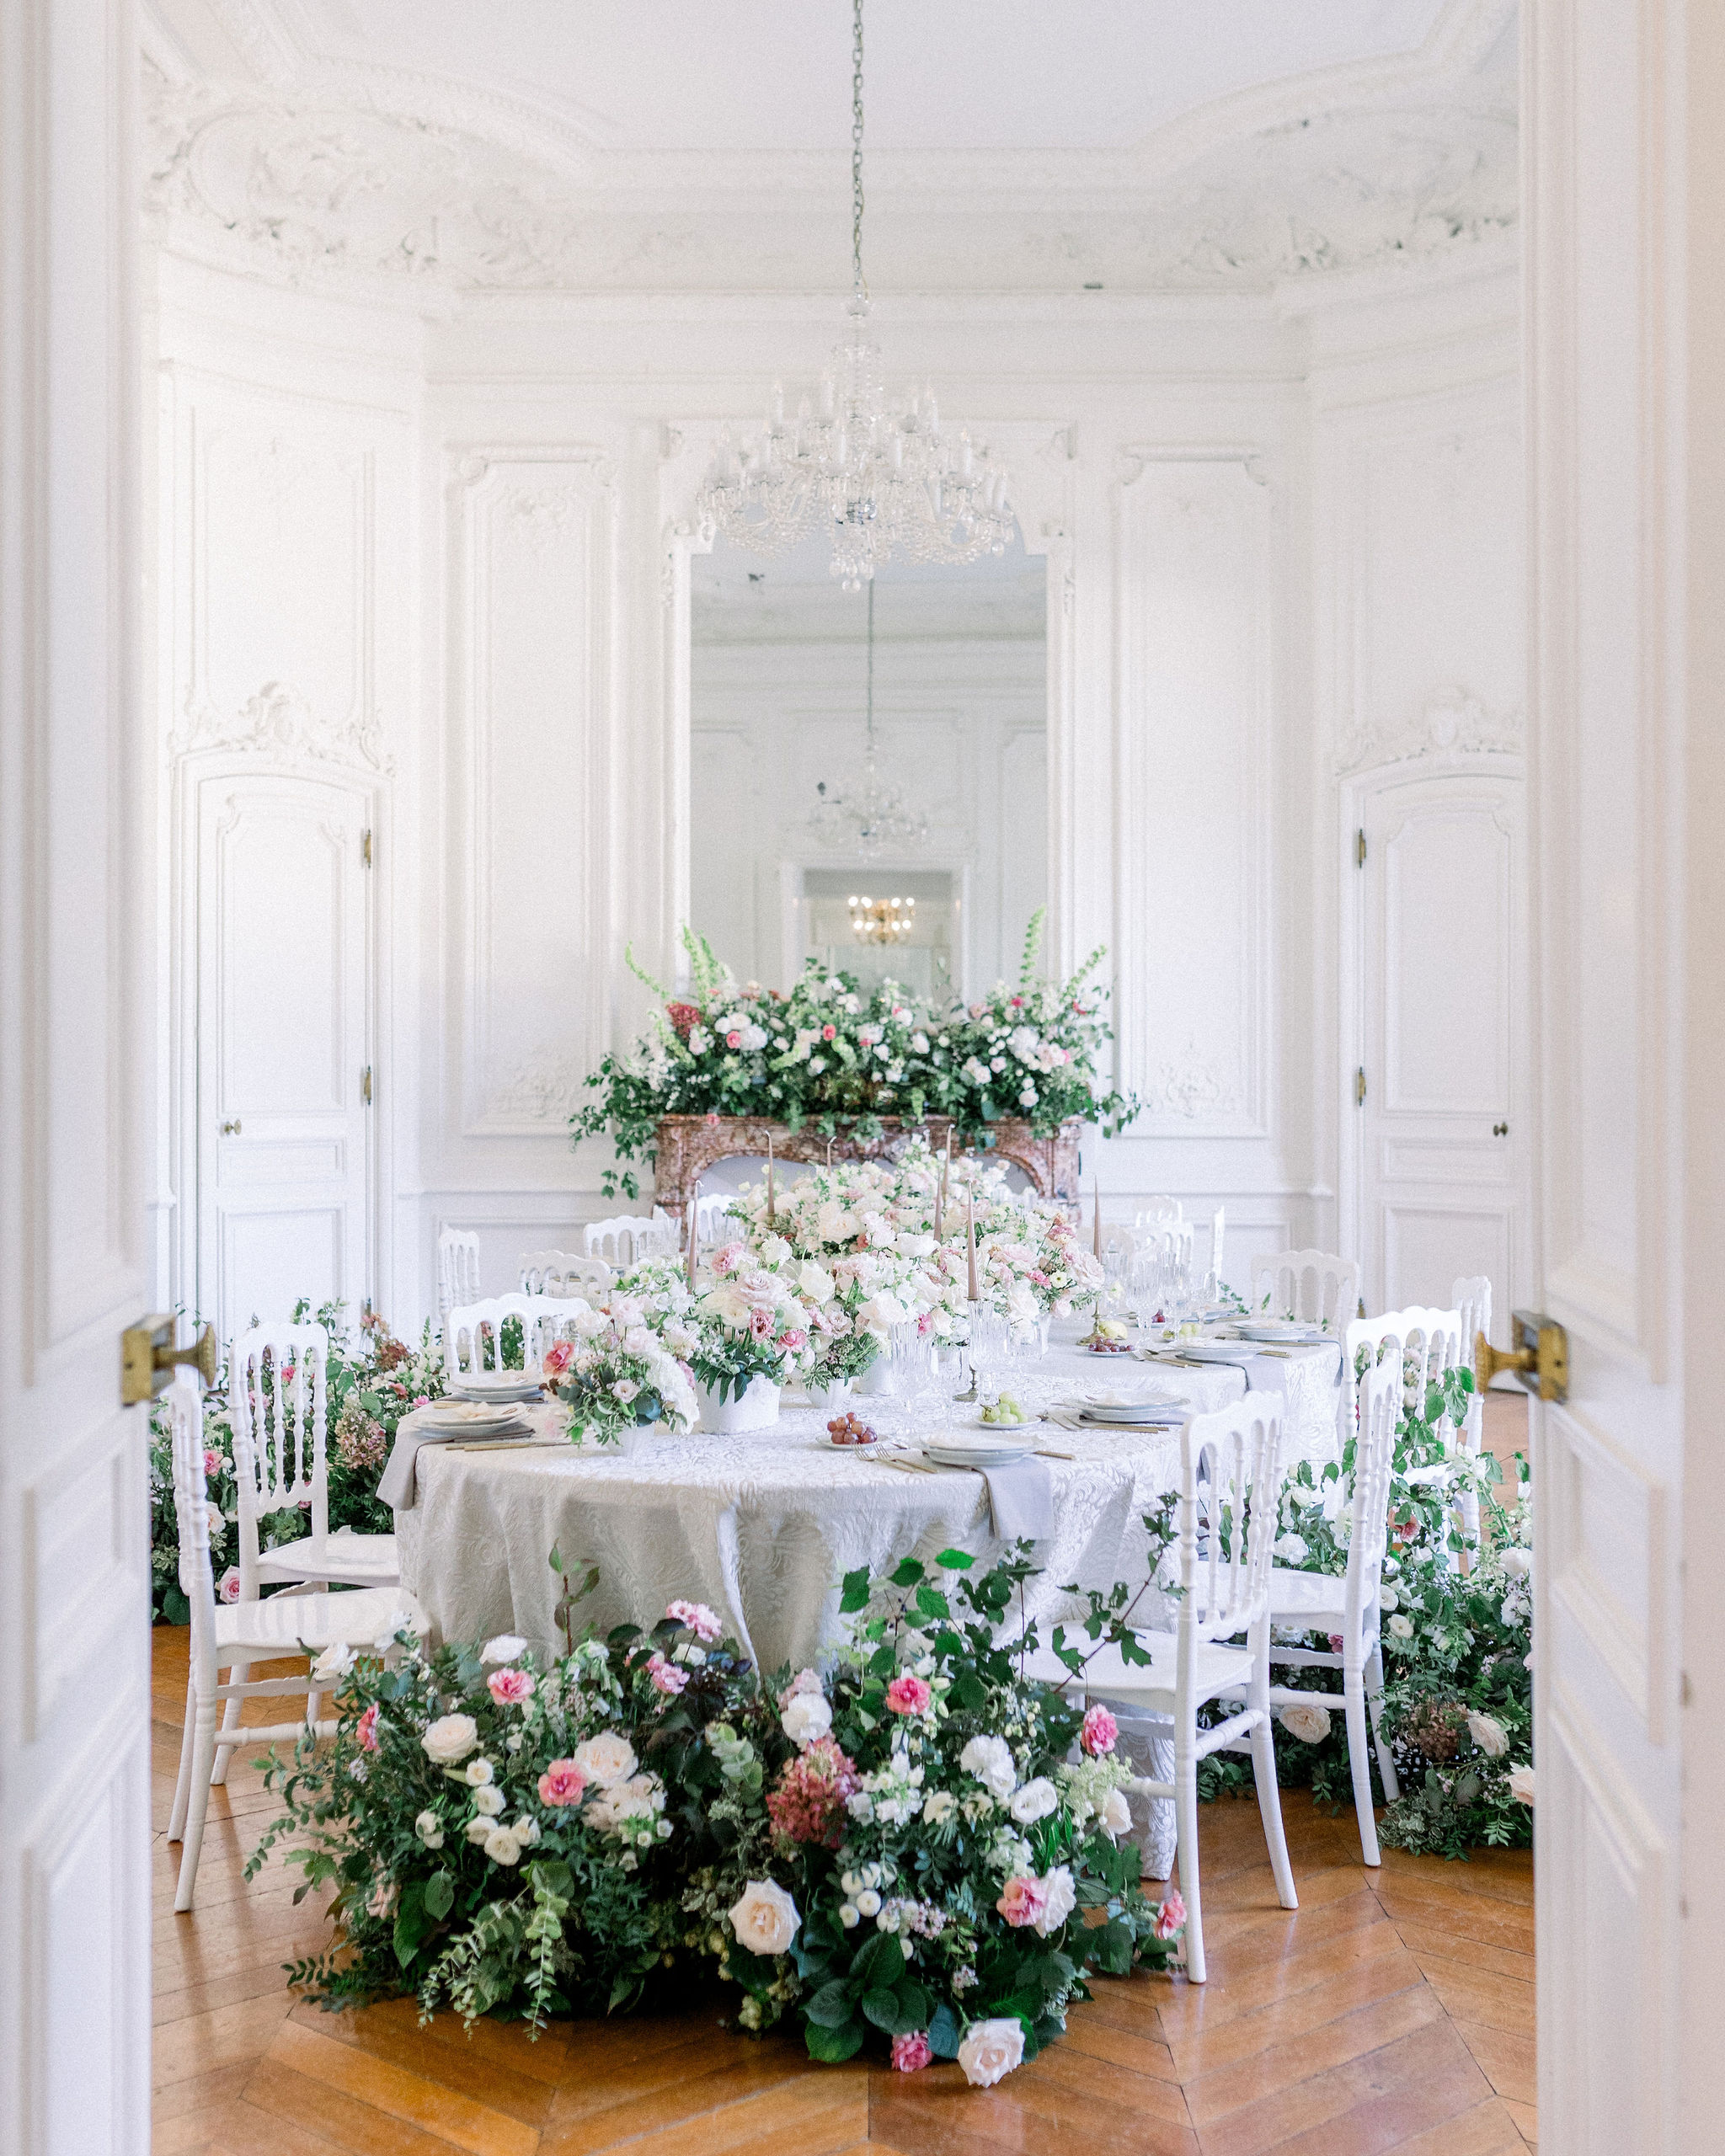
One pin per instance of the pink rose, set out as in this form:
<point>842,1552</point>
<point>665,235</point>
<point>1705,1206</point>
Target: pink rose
<point>760,1324</point>
<point>828,1033</point>
<point>366,1730</point>
<point>1101,1733</point>
<point>733,1040</point>
<point>562,1783</point>
<point>212,1463</point>
<point>910,2054</point>
<point>1337,1643</point>
<point>1171,1915</point>
<point>1021,1902</point>
<point>509,1688</point>
<point>227,1586</point>
<point>907,1695</point>
<point>666,1677</point>
<point>792,1338</point>
<point>559,1356</point>
<point>698,1618</point>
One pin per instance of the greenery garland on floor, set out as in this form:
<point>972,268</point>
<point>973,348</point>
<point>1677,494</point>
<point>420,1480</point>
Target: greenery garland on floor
<point>921,1850</point>
<point>828,1054</point>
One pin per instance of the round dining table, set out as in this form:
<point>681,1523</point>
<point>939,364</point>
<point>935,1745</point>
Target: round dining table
<point>763,1526</point>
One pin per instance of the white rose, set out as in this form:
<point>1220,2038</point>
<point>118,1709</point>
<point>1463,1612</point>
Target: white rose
<point>506,1647</point>
<point>1116,1817</point>
<point>766,1919</point>
<point>1489,1734</point>
<point>429,1829</point>
<point>488,1801</point>
<point>1516,1564</point>
<point>868,1903</point>
<point>990,2050</point>
<point>479,1830</point>
<point>1035,1801</point>
<point>1388,1599</point>
<point>1059,1899</point>
<point>503,1845</point>
<point>1521,1785</point>
<point>938,1806</point>
<point>814,1281</point>
<point>850,1916</point>
<point>1400,1628</point>
<point>479,1772</point>
<point>449,1739</point>
<point>1310,1724</point>
<point>1291,1549</point>
<point>807,1717</point>
<point>334,1663</point>
<point>606,1759</point>
<point>990,1758</point>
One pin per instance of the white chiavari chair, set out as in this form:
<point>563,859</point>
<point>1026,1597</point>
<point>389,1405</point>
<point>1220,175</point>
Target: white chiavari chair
<point>1155,1211</point>
<point>474,1338</point>
<point>627,1238</point>
<point>1309,1285</point>
<point>1217,1240</point>
<point>235,1635</point>
<point>1472,1299</point>
<point>457,1268</point>
<point>1230,1482</point>
<point>1350,1606</point>
<point>560,1273</point>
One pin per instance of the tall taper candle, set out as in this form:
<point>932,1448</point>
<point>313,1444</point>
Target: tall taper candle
<point>769,1182</point>
<point>940,1202</point>
<point>694,1232</point>
<point>971,1240</point>
<point>1096,1231</point>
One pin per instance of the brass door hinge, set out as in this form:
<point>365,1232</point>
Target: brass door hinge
<point>1360,1087</point>
<point>366,845</point>
<point>148,1357</point>
<point>366,1084</point>
<point>1359,848</point>
<point>1539,1360</point>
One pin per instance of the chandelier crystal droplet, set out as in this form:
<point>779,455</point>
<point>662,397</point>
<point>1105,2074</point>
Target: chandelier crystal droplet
<point>881,478</point>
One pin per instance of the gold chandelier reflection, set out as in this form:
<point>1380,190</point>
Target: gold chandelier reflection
<point>881,920</point>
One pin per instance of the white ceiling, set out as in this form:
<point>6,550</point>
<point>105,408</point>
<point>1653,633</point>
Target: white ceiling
<point>1015,146</point>
<point>751,75</point>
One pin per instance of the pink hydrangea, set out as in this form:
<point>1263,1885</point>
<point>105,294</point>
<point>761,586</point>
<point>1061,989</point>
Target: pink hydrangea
<point>1101,1733</point>
<point>910,2054</point>
<point>1022,1901</point>
<point>808,1803</point>
<point>666,1677</point>
<point>1171,1916</point>
<point>562,1783</point>
<point>366,1730</point>
<point>510,1688</point>
<point>696,1618</point>
<point>907,1695</point>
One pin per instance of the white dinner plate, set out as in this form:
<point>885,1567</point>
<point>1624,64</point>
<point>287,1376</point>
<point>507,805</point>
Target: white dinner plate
<point>1133,1411</point>
<point>948,1452</point>
<point>1215,1351</point>
<point>498,1385</point>
<point>471,1419</point>
<point>997,1429</point>
<point>1276,1332</point>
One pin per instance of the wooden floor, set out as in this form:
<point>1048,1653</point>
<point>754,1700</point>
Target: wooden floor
<point>1393,2010</point>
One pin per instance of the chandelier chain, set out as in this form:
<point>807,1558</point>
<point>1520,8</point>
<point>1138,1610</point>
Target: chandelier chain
<point>862,287</point>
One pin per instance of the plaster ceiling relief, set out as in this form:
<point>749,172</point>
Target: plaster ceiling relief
<point>326,156</point>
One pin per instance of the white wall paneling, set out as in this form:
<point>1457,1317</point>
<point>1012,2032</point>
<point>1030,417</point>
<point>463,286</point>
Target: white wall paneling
<point>76,1111</point>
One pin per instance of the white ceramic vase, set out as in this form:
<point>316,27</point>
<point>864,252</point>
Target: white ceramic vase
<point>832,1398</point>
<point>876,1382</point>
<point>757,1409</point>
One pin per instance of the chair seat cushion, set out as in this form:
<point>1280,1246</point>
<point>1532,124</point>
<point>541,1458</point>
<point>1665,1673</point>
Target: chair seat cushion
<point>355,1560</point>
<point>1307,1594</point>
<point>1108,1676</point>
<point>287,1624</point>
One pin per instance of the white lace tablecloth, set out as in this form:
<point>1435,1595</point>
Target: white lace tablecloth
<point>762,1526</point>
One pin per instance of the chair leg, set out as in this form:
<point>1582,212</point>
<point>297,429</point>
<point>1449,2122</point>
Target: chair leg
<point>236,1674</point>
<point>202,1774</point>
<point>182,1787</point>
<point>1270,1807</point>
<point>1185,1828</point>
<point>1359,1762</point>
<point>1375,1702</point>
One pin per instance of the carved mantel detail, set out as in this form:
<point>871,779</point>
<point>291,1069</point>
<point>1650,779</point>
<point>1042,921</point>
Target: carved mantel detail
<point>687,1146</point>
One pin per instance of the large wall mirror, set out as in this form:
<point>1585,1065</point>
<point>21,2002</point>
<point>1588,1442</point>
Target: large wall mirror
<point>914,847</point>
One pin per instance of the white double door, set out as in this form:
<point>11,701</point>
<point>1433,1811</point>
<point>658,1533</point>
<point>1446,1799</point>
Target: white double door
<point>285,1061</point>
<point>1440,1143</point>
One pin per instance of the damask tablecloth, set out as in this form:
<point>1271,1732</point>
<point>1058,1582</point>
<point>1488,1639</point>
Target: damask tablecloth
<point>762,1526</point>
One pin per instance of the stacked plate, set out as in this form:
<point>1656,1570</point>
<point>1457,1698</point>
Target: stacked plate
<point>1277,1331</point>
<point>495,1386</point>
<point>979,1448</point>
<point>1215,1351</point>
<point>1134,1414</point>
<point>472,1418</point>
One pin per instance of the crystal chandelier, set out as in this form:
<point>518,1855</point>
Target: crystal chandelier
<point>881,480</point>
<point>871,815</point>
<point>881,920</point>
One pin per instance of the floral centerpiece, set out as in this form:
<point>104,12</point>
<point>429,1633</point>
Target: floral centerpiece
<point>828,1053</point>
<point>753,1334</point>
<point>619,1372</point>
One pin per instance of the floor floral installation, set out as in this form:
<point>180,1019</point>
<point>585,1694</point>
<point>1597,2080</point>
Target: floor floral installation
<point>903,1853</point>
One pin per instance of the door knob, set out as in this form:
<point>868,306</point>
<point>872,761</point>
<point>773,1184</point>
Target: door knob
<point>231,1130</point>
<point>1498,1129</point>
<point>1540,1359</point>
<point>146,1355</point>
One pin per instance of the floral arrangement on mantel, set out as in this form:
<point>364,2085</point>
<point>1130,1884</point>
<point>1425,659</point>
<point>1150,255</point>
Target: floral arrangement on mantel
<point>829,1055</point>
<point>919,1849</point>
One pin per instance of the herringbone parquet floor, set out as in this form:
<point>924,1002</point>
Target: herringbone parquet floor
<point>1393,2010</point>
